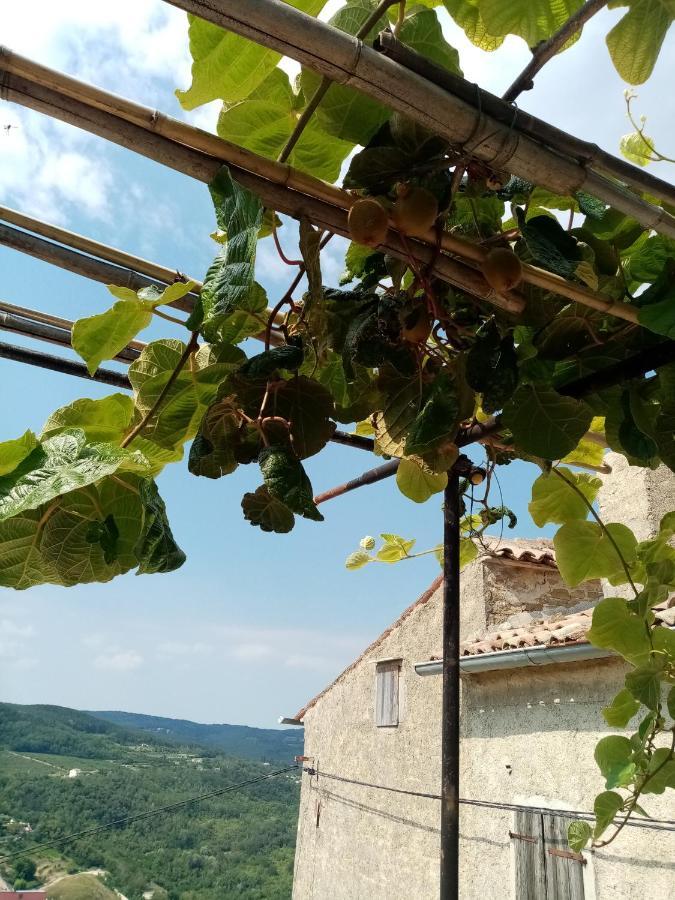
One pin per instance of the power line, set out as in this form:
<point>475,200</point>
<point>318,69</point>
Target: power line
<point>147,814</point>
<point>653,824</point>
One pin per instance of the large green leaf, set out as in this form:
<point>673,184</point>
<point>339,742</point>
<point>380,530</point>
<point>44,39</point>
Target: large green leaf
<point>621,710</point>
<point>635,42</point>
<point>156,548</point>
<point>226,66</point>
<point>606,806</point>
<point>553,500</point>
<point>661,772</point>
<point>635,147</point>
<point>103,336</point>
<point>13,452</point>
<point>616,628</point>
<point>193,390</point>
<point>62,541</point>
<point>544,423</point>
<point>212,453</point>
<point>61,464</point>
<point>613,754</point>
<point>107,419</point>
<point>532,20</point>
<point>261,508</point>
<point>416,483</point>
<point>286,480</point>
<point>584,552</point>
<point>229,286</point>
<point>264,121</point>
<point>468,16</point>
<point>351,116</point>
<point>578,835</point>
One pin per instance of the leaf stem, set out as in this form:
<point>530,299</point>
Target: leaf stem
<point>602,525</point>
<point>163,315</point>
<point>192,345</point>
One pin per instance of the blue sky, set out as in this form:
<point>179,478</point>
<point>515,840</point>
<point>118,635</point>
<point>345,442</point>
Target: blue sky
<point>253,625</point>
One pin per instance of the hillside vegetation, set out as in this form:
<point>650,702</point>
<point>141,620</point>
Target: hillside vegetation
<point>237,740</point>
<point>238,845</point>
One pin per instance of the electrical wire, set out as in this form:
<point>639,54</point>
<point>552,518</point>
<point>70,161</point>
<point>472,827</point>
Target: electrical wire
<point>147,814</point>
<point>654,824</point>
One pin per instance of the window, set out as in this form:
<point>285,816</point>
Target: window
<point>546,868</point>
<point>386,693</point>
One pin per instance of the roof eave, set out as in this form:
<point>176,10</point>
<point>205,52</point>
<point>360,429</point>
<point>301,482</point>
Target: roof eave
<point>518,658</point>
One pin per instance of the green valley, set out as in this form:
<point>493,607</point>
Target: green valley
<point>63,771</point>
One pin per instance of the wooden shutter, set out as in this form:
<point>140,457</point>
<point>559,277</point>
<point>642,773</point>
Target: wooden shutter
<point>386,694</point>
<point>564,869</point>
<point>545,867</point>
<point>528,838</point>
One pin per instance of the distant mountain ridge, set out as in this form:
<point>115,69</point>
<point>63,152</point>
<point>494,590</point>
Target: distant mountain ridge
<point>267,744</point>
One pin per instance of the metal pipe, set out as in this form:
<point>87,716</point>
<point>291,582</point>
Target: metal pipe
<point>517,659</point>
<point>450,714</point>
<point>59,336</point>
<point>65,366</point>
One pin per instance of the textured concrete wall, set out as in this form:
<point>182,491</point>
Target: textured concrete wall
<point>528,737</point>
<point>637,497</point>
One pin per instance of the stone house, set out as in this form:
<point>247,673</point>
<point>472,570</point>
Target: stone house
<point>532,693</point>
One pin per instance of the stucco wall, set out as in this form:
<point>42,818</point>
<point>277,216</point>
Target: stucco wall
<point>528,737</point>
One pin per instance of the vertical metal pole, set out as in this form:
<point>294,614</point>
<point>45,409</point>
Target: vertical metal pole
<point>450,720</point>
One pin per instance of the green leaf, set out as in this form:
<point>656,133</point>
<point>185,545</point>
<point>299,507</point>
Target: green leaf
<point>532,20</point>
<point>659,317</point>
<point>212,453</point>
<point>584,552</point>
<point>635,148</point>
<point>467,15</point>
<point>670,702</point>
<point>228,67</point>
<point>229,285</point>
<point>587,452</point>
<point>437,421</point>
<point>553,500</point>
<point>616,628</point>
<point>661,771</point>
<point>468,551</point>
<point>13,452</point>
<point>53,543</point>
<point>621,710</point>
<point>550,245</point>
<point>156,548</point>
<point>105,420</point>
<point>103,336</point>
<point>288,357</point>
<point>185,403</point>
<point>351,116</point>
<point>394,549</point>
<point>58,465</point>
<point>614,756</point>
<point>492,367</point>
<point>286,480</point>
<point>418,484</point>
<point>263,122</point>
<point>268,513</point>
<point>635,42</point>
<point>578,835</point>
<point>645,685</point>
<point>358,559</point>
<point>544,423</point>
<point>605,807</point>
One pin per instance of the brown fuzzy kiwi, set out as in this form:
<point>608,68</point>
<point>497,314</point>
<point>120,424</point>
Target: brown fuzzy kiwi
<point>368,222</point>
<point>415,210</point>
<point>416,326</point>
<point>502,269</point>
<point>477,477</point>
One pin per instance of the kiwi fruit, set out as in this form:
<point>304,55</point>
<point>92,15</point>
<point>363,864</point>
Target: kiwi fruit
<point>415,210</point>
<point>368,222</point>
<point>502,269</point>
<point>497,181</point>
<point>477,477</point>
<point>416,325</point>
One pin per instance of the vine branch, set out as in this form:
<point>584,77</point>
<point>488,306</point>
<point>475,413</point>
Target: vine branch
<point>187,353</point>
<point>546,50</point>
<point>602,525</point>
<point>325,83</point>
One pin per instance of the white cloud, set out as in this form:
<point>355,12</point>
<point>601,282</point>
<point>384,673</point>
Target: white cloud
<point>182,648</point>
<point>251,652</point>
<point>314,663</point>
<point>9,628</point>
<point>13,639</point>
<point>119,661</point>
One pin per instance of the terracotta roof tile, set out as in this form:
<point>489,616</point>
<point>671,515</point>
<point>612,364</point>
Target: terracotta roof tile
<point>570,629</point>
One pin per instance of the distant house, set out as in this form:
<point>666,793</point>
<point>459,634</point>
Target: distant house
<point>73,773</point>
<point>532,693</point>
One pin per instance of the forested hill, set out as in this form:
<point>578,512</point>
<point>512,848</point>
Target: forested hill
<point>235,740</point>
<point>57,729</point>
